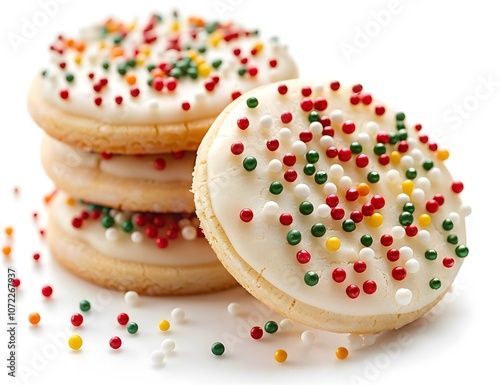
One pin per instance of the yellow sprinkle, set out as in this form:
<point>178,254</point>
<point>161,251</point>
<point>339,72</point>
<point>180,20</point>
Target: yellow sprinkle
<point>145,49</point>
<point>140,59</point>
<point>192,54</point>
<point>70,202</point>
<point>332,244</point>
<point>75,342</point>
<point>164,325</point>
<point>102,45</point>
<point>407,186</point>
<point>175,26</point>
<point>132,26</point>
<point>78,60</point>
<point>424,220</point>
<point>342,353</point>
<point>280,355</point>
<point>376,220</point>
<point>363,189</point>
<point>395,157</point>
<point>258,46</point>
<point>204,70</point>
<point>215,38</point>
<point>198,60</point>
<point>443,154</point>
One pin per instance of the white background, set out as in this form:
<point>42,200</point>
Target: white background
<point>439,61</point>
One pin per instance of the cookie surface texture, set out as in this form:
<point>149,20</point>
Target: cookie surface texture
<point>329,207</point>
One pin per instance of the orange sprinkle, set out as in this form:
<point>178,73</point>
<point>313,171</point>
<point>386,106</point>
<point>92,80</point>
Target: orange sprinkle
<point>111,25</point>
<point>34,318</point>
<point>47,198</point>
<point>157,73</point>
<point>363,189</point>
<point>9,231</point>
<point>6,250</point>
<point>70,43</point>
<point>130,79</point>
<point>116,51</point>
<point>70,202</point>
<point>196,21</point>
<point>80,46</point>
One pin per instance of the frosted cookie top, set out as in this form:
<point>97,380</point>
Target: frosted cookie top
<point>166,70</point>
<point>335,199</point>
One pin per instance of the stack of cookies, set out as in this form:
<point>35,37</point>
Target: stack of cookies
<point>124,107</point>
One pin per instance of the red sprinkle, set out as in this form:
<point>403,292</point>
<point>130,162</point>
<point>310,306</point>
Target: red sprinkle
<point>286,219</point>
<point>246,215</point>
<point>47,291</point>
<point>256,332</point>
<point>369,286</point>
<point>352,291</point>
<point>303,256</point>
<point>282,89</point>
<point>338,275</point>
<point>243,123</point>
<point>122,318</point>
<point>237,148</point>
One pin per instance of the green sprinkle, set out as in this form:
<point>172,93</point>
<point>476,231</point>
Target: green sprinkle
<point>252,102</point>
<point>249,163</point>
<point>151,67</point>
<point>348,225</point>
<point>306,208</point>
<point>447,224</point>
<point>150,82</point>
<point>435,283</point>
<point>202,49</point>
<point>318,230</point>
<point>192,72</point>
<point>409,207</point>
<point>271,327</point>
<point>431,254</point>
<point>132,327</point>
<point>320,177</point>
<point>84,305</point>
<point>127,226</point>
<point>356,148</point>
<point>309,169</point>
<point>122,68</point>
<point>218,348</point>
<point>211,27</point>
<point>400,125</point>
<point>105,210</point>
<point>379,149</point>
<point>117,39</point>
<point>294,237</point>
<point>314,116</point>
<point>366,240</point>
<point>452,238</point>
<point>461,251</point>
<point>411,173</point>
<point>175,73</point>
<point>131,63</point>
<point>405,218</point>
<point>276,188</point>
<point>242,71</point>
<point>105,65</point>
<point>393,138</point>
<point>311,278</point>
<point>216,63</point>
<point>400,116</point>
<point>44,73</point>
<point>402,134</point>
<point>312,156</point>
<point>107,221</point>
<point>373,177</point>
<point>70,78</point>
<point>428,164</point>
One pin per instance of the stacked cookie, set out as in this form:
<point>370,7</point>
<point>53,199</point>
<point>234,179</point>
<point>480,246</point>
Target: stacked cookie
<point>124,107</point>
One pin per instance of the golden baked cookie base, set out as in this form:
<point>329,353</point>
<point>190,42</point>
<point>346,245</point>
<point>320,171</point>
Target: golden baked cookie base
<point>99,136</point>
<point>84,261</point>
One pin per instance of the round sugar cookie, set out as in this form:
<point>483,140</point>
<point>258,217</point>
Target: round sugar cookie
<point>152,254</point>
<point>151,86</point>
<point>329,207</point>
<point>155,183</point>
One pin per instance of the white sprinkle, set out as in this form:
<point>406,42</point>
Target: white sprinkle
<point>318,88</point>
<point>178,314</point>
<point>435,174</point>
<point>345,182</point>
<point>363,138</point>
<point>189,233</point>
<point>111,234</point>
<point>455,218</point>
<point>355,341</point>
<point>324,210</point>
<point>423,183</point>
<point>372,128</point>
<point>299,147</point>
<point>417,155</point>
<point>405,251</point>
<point>326,141</point>
<point>136,237</point>
<point>184,222</point>
<point>398,232</point>
<point>366,254</point>
<point>337,116</point>
<point>329,188</point>
<point>308,337</point>
<point>266,121</point>
<point>271,208</point>
<point>418,195</point>
<point>393,176</point>
<point>286,324</point>
<point>369,339</point>
<point>153,104</point>
<point>157,357</point>
<point>424,236</point>
<point>412,266</point>
<point>302,191</point>
<point>285,134</point>
<point>113,212</point>
<point>234,308</point>
<point>403,296</point>
<point>167,345</point>
<point>120,218</point>
<point>407,161</point>
<point>275,165</point>
<point>131,298</point>
<point>465,210</point>
<point>336,171</point>
<point>316,128</point>
<point>402,199</point>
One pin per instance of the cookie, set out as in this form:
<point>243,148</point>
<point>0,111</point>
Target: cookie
<point>150,87</point>
<point>329,207</point>
<point>152,254</point>
<point>156,183</point>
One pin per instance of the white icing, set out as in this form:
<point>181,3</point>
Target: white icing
<point>134,247</point>
<point>262,242</point>
<point>124,166</point>
<point>164,107</point>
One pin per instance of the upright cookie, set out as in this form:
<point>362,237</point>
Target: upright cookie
<point>329,207</point>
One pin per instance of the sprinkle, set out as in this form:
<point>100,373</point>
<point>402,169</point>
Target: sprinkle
<point>76,319</point>
<point>84,305</point>
<point>280,355</point>
<point>252,102</point>
<point>157,357</point>
<point>47,291</point>
<point>122,318</point>
<point>75,342</point>
<point>6,250</point>
<point>178,314</point>
<point>234,308</point>
<point>164,325</point>
<point>435,283</point>
<point>218,348</point>
<point>271,327</point>
<point>286,324</point>
<point>131,298</point>
<point>115,342</point>
<point>34,318</point>
<point>403,296</point>
<point>308,337</point>
<point>132,328</point>
<point>341,353</point>
<point>167,345</point>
